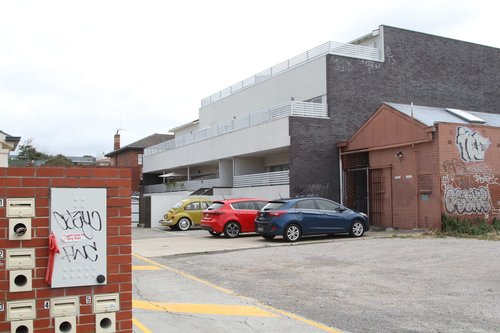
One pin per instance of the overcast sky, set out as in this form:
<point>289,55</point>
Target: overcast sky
<point>73,72</point>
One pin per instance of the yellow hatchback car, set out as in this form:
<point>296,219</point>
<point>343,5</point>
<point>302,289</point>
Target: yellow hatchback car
<point>185,213</point>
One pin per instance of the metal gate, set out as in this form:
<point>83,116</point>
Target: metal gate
<point>356,182</point>
<point>135,210</point>
<point>377,190</point>
<point>357,190</point>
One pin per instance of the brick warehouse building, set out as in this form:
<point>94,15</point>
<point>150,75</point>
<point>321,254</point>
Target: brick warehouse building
<point>419,162</point>
<point>89,289</point>
<point>275,133</point>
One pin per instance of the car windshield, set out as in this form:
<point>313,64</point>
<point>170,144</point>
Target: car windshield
<point>178,205</point>
<point>274,205</point>
<point>215,205</point>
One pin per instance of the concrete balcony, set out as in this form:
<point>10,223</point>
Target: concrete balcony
<point>258,132</point>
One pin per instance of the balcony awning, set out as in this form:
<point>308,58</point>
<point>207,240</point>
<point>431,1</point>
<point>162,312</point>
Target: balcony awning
<point>171,174</point>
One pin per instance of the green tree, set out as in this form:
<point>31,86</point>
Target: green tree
<point>59,160</point>
<point>28,152</point>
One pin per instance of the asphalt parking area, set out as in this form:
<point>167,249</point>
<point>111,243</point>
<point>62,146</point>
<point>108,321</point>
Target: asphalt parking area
<point>373,284</point>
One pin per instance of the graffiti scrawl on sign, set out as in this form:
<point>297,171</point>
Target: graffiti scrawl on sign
<point>471,144</point>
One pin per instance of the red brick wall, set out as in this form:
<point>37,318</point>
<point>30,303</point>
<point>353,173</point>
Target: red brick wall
<point>456,174</point>
<point>129,159</point>
<point>35,183</point>
<point>413,206</point>
<point>470,170</point>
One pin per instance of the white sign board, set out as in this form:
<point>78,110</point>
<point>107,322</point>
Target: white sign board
<point>78,222</point>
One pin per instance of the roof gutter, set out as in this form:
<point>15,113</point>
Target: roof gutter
<point>386,147</point>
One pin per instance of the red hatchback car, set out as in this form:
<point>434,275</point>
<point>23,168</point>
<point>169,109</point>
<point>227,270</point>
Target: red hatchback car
<point>231,216</point>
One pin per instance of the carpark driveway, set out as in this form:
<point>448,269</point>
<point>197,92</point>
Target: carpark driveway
<point>324,284</point>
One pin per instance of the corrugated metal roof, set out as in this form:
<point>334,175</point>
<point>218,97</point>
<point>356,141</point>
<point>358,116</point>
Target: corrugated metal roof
<point>431,115</point>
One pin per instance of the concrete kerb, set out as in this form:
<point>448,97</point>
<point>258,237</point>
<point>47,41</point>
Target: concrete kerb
<point>156,243</point>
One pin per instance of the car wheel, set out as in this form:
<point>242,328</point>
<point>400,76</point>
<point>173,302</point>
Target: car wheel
<point>231,229</point>
<point>357,229</point>
<point>268,237</point>
<point>184,224</point>
<point>292,233</point>
<point>215,234</point>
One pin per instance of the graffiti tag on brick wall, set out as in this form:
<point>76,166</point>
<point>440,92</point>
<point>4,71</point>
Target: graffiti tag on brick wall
<point>467,201</point>
<point>470,186</point>
<point>485,179</point>
<point>312,190</point>
<point>342,65</point>
<point>471,145</point>
<point>389,57</point>
<point>454,167</point>
<point>371,65</point>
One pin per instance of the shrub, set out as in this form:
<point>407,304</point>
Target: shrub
<point>474,227</point>
<point>496,224</point>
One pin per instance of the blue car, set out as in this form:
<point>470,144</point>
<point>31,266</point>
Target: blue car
<point>292,218</point>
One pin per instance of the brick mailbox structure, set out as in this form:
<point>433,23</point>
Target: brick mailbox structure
<point>65,250</point>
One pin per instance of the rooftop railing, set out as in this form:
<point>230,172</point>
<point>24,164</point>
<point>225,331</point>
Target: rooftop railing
<point>293,108</point>
<point>342,49</point>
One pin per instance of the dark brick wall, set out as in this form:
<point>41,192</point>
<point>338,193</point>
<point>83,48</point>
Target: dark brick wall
<point>419,68</point>
<point>313,156</point>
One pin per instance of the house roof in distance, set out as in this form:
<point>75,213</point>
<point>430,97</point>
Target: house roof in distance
<point>12,140</point>
<point>146,142</point>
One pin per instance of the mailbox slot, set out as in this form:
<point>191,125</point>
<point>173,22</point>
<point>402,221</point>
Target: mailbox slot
<point>105,322</point>
<point>20,207</point>
<point>65,324</point>
<point>20,281</point>
<point>106,303</point>
<point>19,229</point>
<point>24,326</point>
<point>21,310</point>
<point>20,259</point>
<point>64,306</point>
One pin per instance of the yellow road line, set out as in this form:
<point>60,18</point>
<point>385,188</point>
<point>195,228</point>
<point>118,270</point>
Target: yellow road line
<point>229,292</point>
<point>146,268</point>
<point>211,309</point>
<point>302,319</point>
<point>140,326</point>
<point>189,276</point>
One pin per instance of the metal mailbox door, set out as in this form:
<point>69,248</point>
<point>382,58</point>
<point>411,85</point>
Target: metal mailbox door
<point>78,224</point>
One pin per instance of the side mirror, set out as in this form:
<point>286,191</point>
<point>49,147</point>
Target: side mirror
<point>341,209</point>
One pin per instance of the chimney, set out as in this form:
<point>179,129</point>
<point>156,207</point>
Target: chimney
<point>117,141</point>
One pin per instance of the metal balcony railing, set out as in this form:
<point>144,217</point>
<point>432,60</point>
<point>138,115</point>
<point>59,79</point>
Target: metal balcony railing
<point>256,179</point>
<point>191,185</point>
<point>293,108</point>
<point>262,179</point>
<point>342,49</point>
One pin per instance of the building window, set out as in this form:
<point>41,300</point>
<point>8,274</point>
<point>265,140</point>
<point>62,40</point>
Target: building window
<point>139,159</point>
